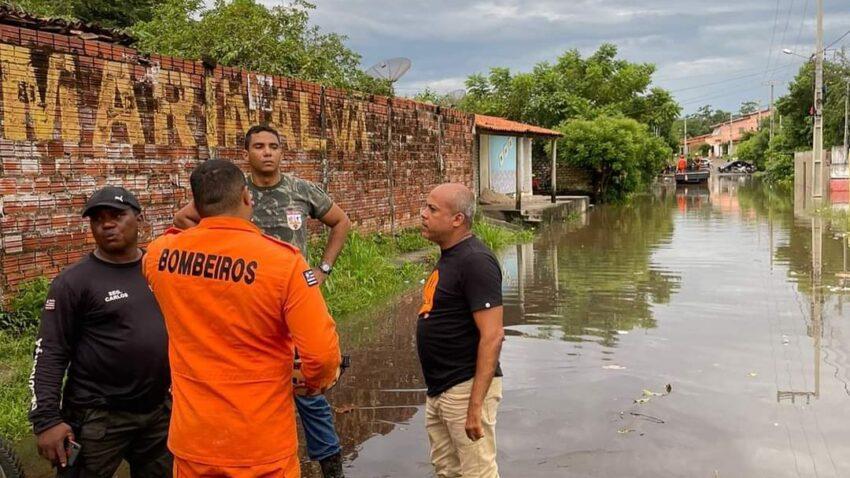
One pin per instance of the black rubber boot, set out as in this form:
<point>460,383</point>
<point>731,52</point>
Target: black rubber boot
<point>332,466</point>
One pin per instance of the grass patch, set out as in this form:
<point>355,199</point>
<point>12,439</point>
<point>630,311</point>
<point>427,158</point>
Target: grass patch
<point>15,364</point>
<point>496,237</point>
<point>365,274</point>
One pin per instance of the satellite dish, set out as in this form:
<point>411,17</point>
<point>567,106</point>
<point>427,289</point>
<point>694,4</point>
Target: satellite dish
<point>390,70</point>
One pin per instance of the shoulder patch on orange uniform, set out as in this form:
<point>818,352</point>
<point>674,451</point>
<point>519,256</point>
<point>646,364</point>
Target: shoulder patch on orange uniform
<point>172,230</point>
<point>282,244</point>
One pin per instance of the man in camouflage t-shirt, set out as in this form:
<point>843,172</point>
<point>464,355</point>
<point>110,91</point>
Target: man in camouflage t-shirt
<point>281,210</point>
<point>282,205</point>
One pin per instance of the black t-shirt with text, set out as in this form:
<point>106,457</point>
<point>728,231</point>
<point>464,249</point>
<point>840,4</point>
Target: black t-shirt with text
<point>467,279</point>
<point>102,323</point>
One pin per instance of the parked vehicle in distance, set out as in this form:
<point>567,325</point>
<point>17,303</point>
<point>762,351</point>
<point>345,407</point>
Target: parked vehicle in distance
<point>737,166</point>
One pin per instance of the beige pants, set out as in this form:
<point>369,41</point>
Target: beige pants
<point>453,454</point>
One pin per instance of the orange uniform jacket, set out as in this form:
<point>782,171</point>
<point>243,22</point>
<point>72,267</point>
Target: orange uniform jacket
<point>235,303</point>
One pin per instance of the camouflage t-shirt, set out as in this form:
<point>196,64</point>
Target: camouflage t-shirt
<point>282,210</point>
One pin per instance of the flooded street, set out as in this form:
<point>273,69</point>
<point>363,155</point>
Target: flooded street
<point>708,290</point>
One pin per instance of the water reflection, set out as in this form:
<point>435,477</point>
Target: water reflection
<point>596,282</point>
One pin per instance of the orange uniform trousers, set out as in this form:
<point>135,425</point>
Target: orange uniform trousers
<point>286,468</point>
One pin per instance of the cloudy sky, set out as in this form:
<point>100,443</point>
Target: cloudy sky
<point>717,52</point>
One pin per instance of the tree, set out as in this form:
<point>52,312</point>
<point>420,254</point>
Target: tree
<point>776,157</point>
<point>573,87</point>
<point>246,34</point>
<point>106,13</point>
<point>796,106</point>
<point>699,123</point>
<point>753,147</point>
<point>748,107</point>
<point>428,96</point>
<point>619,153</point>
<point>239,33</point>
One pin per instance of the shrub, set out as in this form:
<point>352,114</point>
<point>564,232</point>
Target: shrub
<point>25,307</point>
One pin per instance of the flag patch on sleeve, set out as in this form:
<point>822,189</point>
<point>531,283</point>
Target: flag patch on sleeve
<point>310,277</point>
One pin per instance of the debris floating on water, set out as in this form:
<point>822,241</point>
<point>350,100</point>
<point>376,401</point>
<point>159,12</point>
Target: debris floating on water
<point>613,367</point>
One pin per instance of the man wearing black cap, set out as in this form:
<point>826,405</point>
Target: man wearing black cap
<point>101,323</point>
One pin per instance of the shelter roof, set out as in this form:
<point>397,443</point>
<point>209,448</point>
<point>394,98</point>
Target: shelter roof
<point>496,124</point>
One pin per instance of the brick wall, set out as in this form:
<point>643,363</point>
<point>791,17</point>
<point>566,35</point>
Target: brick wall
<point>571,180</point>
<point>78,114</point>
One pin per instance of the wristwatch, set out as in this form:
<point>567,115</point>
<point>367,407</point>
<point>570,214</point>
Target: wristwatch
<point>326,268</point>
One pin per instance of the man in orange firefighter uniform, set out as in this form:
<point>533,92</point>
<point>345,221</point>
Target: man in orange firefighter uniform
<point>236,303</point>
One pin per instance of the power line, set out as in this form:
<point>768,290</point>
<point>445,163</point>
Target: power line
<point>712,73</point>
<point>699,99</point>
<point>725,93</point>
<point>772,38</point>
<point>838,40</point>
<point>787,21</point>
<point>800,30</point>
<point>728,79</point>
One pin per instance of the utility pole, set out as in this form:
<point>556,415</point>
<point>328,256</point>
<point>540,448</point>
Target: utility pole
<point>846,108</point>
<point>730,136</point>
<point>770,109</point>
<point>817,133</point>
<point>685,140</point>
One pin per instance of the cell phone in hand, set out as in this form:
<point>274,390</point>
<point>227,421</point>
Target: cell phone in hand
<point>73,451</point>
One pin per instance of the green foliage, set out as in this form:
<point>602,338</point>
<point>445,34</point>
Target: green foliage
<point>748,107</point>
<point>364,274</point>
<point>277,40</point>
<point>776,157</point>
<point>106,13</point>
<point>496,237</point>
<point>15,364</point>
<point>411,240</point>
<point>429,96</point>
<point>25,307</point>
<point>46,8</point>
<point>699,123</point>
<point>620,154</point>
<point>779,159</point>
<point>754,148</point>
<point>573,87</point>
<point>796,105</point>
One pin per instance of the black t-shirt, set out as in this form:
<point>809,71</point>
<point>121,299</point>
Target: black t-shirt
<point>101,322</point>
<point>467,279</point>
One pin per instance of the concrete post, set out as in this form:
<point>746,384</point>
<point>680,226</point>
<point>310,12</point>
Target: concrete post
<point>554,175</point>
<point>518,178</point>
<point>323,142</point>
<point>390,178</point>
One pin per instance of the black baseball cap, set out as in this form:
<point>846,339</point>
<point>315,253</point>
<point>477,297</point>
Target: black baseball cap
<point>114,197</point>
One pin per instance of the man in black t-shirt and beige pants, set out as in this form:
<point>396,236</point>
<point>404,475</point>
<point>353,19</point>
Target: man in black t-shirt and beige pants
<point>459,336</point>
<point>101,324</point>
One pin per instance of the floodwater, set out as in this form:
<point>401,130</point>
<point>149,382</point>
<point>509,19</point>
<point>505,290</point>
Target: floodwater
<point>720,292</point>
<point>708,290</point>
